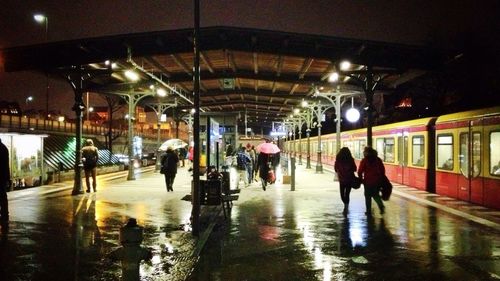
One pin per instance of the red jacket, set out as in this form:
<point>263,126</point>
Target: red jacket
<point>345,170</point>
<point>371,172</point>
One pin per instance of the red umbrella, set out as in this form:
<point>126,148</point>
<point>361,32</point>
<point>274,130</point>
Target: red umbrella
<point>268,148</point>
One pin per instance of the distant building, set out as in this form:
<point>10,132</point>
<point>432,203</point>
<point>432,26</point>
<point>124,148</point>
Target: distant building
<point>10,108</point>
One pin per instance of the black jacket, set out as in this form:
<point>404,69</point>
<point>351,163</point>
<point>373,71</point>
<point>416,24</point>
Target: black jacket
<point>169,163</point>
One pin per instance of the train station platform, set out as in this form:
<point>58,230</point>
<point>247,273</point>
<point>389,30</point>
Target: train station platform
<point>275,234</point>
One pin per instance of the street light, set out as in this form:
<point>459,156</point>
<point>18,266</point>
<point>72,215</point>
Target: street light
<point>43,19</point>
<point>29,99</point>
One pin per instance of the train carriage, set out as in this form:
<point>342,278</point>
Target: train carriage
<point>457,155</point>
<point>468,156</point>
<point>403,147</point>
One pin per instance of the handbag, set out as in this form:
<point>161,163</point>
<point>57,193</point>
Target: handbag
<point>385,188</point>
<point>271,178</point>
<point>356,183</point>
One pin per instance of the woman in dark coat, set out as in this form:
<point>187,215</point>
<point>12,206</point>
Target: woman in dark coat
<point>345,168</point>
<point>371,171</point>
<point>263,165</point>
<point>169,163</point>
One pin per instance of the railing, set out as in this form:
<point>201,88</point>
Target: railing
<point>32,124</point>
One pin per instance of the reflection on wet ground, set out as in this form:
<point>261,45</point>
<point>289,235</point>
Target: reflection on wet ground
<point>303,235</point>
<point>272,235</point>
<point>63,237</point>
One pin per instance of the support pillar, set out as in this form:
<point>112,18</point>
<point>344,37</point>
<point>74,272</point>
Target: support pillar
<point>78,108</point>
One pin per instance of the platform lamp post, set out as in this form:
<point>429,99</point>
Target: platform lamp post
<point>369,79</point>
<point>308,117</point>
<point>335,99</point>
<point>318,110</point>
<point>160,107</point>
<point>300,118</point>
<point>132,98</point>
<point>189,121</point>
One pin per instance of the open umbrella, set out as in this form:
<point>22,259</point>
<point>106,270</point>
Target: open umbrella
<point>267,148</point>
<point>174,143</point>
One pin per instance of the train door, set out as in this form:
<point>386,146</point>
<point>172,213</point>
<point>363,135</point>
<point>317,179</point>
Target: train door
<point>402,173</point>
<point>470,184</point>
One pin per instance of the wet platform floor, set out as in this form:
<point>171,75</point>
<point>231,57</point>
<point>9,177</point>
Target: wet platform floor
<point>271,235</point>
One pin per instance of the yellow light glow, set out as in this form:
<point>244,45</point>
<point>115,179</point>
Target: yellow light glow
<point>345,65</point>
<point>132,75</point>
<point>161,92</point>
<point>334,77</point>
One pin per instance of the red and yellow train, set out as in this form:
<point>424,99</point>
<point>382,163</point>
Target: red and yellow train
<point>456,155</point>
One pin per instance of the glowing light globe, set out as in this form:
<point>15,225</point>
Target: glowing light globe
<point>352,115</point>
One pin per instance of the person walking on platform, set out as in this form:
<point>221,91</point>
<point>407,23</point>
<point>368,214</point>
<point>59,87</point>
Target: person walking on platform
<point>371,172</point>
<point>345,168</point>
<point>89,158</point>
<point>242,162</point>
<point>251,165</point>
<point>263,166</point>
<point>4,183</point>
<point>169,163</point>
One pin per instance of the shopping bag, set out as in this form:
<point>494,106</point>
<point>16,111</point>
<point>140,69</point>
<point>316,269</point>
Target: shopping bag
<point>385,189</point>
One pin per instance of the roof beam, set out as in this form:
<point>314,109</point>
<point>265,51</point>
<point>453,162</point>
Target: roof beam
<point>250,92</point>
<point>158,65</point>
<point>207,62</point>
<point>280,65</point>
<point>180,62</point>
<point>305,67</point>
<point>255,63</point>
<point>230,60</point>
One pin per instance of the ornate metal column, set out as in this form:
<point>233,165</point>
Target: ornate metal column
<point>159,108</point>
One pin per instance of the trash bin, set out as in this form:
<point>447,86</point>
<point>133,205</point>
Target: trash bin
<point>211,193</point>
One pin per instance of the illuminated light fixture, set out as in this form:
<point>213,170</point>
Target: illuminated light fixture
<point>39,18</point>
<point>345,65</point>
<point>334,77</point>
<point>113,65</point>
<point>193,110</point>
<point>60,118</point>
<point>296,111</point>
<point>304,103</point>
<point>152,87</point>
<point>161,92</point>
<point>91,109</point>
<point>352,113</point>
<point>132,75</point>
<point>107,62</point>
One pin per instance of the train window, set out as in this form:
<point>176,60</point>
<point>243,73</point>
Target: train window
<point>495,154</point>
<point>389,150</point>
<point>418,152</point>
<point>445,152</point>
<point>403,151</point>
<point>359,146</point>
<point>380,148</point>
<point>476,154</point>
<point>385,149</point>
<point>463,156</point>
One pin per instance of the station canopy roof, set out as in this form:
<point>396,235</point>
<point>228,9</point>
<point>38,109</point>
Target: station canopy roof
<point>263,73</point>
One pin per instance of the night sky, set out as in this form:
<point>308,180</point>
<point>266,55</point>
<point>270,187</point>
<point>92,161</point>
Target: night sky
<point>443,24</point>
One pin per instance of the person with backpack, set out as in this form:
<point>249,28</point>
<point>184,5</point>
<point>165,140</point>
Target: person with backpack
<point>371,171</point>
<point>242,162</point>
<point>90,156</point>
